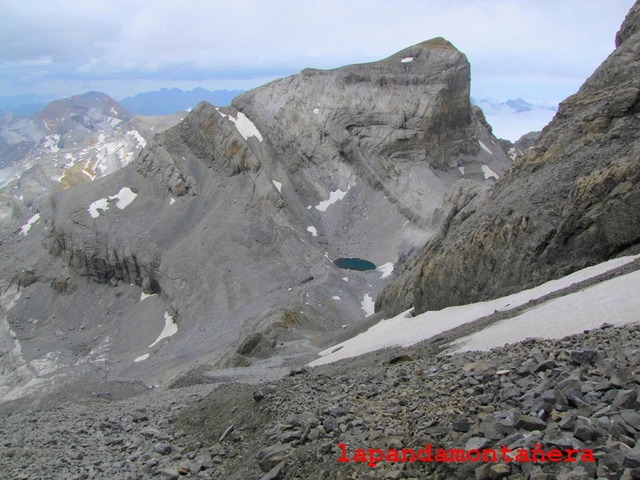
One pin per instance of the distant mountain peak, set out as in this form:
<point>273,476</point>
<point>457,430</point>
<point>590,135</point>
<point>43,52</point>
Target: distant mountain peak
<point>167,101</point>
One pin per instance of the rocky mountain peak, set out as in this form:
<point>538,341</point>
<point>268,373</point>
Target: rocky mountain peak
<point>569,202</point>
<point>630,25</point>
<point>84,109</point>
<point>438,43</point>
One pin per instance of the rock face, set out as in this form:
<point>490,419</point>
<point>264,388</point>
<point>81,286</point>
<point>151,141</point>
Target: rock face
<point>233,217</point>
<point>573,201</point>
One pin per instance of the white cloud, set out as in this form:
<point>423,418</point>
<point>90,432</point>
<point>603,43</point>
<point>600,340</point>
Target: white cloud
<point>207,40</point>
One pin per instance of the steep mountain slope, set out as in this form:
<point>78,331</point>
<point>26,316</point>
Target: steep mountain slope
<point>71,141</point>
<point>572,201</point>
<point>231,220</point>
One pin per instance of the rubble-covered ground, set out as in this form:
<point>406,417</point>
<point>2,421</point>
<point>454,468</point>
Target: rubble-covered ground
<point>579,393</point>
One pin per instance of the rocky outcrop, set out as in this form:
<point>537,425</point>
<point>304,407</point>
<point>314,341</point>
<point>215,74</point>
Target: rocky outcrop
<point>573,201</point>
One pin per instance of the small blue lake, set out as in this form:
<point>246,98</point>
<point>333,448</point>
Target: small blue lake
<point>354,264</point>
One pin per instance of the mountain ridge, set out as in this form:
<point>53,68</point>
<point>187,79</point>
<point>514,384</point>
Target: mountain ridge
<point>570,202</point>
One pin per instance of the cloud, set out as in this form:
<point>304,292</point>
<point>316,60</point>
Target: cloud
<point>213,40</point>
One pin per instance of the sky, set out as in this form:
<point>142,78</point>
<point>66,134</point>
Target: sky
<point>539,50</point>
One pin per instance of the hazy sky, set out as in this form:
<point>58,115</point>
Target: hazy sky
<point>540,50</point>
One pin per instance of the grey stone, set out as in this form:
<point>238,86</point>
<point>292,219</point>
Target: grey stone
<point>499,471</point>
<point>163,448</point>
<point>625,399</point>
<point>274,473</point>
<point>584,429</point>
<point>528,422</point>
<point>268,458</point>
<point>477,443</point>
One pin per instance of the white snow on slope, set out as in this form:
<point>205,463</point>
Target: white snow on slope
<point>245,127</point>
<point>170,328</point>
<point>488,173</point>
<point>141,358</point>
<point>406,60</point>
<point>27,226</point>
<point>368,305</point>
<point>123,198</point>
<point>333,198</point>
<point>405,330</point>
<point>135,134</point>
<point>386,269</point>
<point>95,207</point>
<point>278,185</point>
<point>615,301</point>
<point>51,143</point>
<point>312,230</point>
<point>485,148</point>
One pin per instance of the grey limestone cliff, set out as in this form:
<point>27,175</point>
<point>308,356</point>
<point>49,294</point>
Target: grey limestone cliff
<point>571,201</point>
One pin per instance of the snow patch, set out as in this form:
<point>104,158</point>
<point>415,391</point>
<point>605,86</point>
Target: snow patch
<point>488,173</point>
<point>406,60</point>
<point>312,230</point>
<point>245,127</point>
<point>123,199</point>
<point>145,295</point>
<point>405,330</point>
<point>316,111</point>
<point>171,200</point>
<point>95,207</point>
<point>485,148</point>
<point>278,186</point>
<point>461,170</point>
<point>333,198</point>
<point>27,226</point>
<point>135,134</point>
<point>385,269</point>
<point>141,358</point>
<point>51,143</point>
<point>336,297</point>
<point>368,305</point>
<point>615,301</point>
<point>170,328</point>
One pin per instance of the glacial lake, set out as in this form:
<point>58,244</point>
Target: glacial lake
<point>354,264</point>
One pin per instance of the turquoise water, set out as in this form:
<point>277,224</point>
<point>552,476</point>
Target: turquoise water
<point>354,264</point>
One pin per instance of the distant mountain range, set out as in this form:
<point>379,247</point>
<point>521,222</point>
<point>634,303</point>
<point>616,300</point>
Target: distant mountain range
<point>161,102</point>
<point>23,105</point>
<point>513,118</point>
<point>167,101</point>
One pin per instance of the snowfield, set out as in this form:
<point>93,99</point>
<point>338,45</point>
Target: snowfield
<point>123,199</point>
<point>333,198</point>
<point>614,301</point>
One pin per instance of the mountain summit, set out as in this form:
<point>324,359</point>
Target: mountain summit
<point>572,201</point>
<point>219,241</point>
